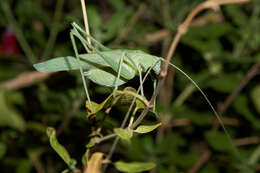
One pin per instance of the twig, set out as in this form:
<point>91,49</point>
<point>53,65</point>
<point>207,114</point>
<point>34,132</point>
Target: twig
<point>253,71</point>
<point>106,137</point>
<point>54,29</point>
<point>127,115</point>
<point>203,159</point>
<point>24,79</point>
<point>247,141</point>
<point>182,29</point>
<point>103,120</point>
<point>18,32</point>
<point>85,16</point>
<point>157,36</point>
<point>125,32</point>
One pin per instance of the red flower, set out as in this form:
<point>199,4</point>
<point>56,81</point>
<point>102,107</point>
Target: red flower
<point>9,44</point>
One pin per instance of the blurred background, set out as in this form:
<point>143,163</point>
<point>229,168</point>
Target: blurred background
<point>220,51</point>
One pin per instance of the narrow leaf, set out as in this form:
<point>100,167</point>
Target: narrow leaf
<point>84,158</point>
<point>62,152</point>
<point>219,141</point>
<point>146,128</point>
<point>124,134</point>
<point>134,167</point>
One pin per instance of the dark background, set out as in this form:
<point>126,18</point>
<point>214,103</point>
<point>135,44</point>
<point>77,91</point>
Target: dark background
<point>218,51</point>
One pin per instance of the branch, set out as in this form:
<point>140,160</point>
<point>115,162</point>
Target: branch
<point>182,29</point>
<point>24,79</point>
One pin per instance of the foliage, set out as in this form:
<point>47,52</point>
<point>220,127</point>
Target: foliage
<point>217,51</point>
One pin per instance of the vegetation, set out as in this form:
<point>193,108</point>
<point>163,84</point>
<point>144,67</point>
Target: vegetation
<point>49,125</point>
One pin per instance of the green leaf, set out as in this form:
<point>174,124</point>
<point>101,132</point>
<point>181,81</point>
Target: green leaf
<point>225,83</point>
<point>255,95</point>
<point>62,152</point>
<point>133,167</point>
<point>84,158</point>
<point>124,134</point>
<point>8,114</point>
<point>241,106</point>
<point>219,141</point>
<point>146,128</point>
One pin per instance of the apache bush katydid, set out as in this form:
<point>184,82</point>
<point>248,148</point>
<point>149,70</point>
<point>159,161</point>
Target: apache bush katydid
<point>112,68</point>
<point>108,67</point>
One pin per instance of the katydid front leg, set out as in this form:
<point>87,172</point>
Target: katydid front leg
<point>119,73</point>
<point>138,67</point>
<point>81,70</point>
<point>141,79</point>
<point>126,71</point>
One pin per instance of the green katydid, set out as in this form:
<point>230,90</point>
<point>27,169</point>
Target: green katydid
<point>108,67</point>
<point>112,68</point>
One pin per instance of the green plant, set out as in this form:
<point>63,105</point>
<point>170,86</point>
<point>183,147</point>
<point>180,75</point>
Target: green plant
<point>125,67</point>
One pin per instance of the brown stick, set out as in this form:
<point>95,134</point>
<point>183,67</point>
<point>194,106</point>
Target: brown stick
<point>247,141</point>
<point>24,79</point>
<point>85,17</point>
<point>210,4</point>
<point>181,30</point>
<point>203,159</point>
<point>253,71</point>
<point>133,21</point>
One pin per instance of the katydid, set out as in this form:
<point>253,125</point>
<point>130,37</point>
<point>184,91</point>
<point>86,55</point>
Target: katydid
<point>111,68</point>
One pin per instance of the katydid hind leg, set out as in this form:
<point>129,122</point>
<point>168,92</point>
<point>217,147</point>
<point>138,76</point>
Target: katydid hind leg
<point>154,88</point>
<point>81,70</point>
<point>141,79</point>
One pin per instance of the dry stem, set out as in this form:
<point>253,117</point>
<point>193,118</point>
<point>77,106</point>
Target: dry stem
<point>182,29</point>
<point>24,79</point>
<point>85,16</point>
